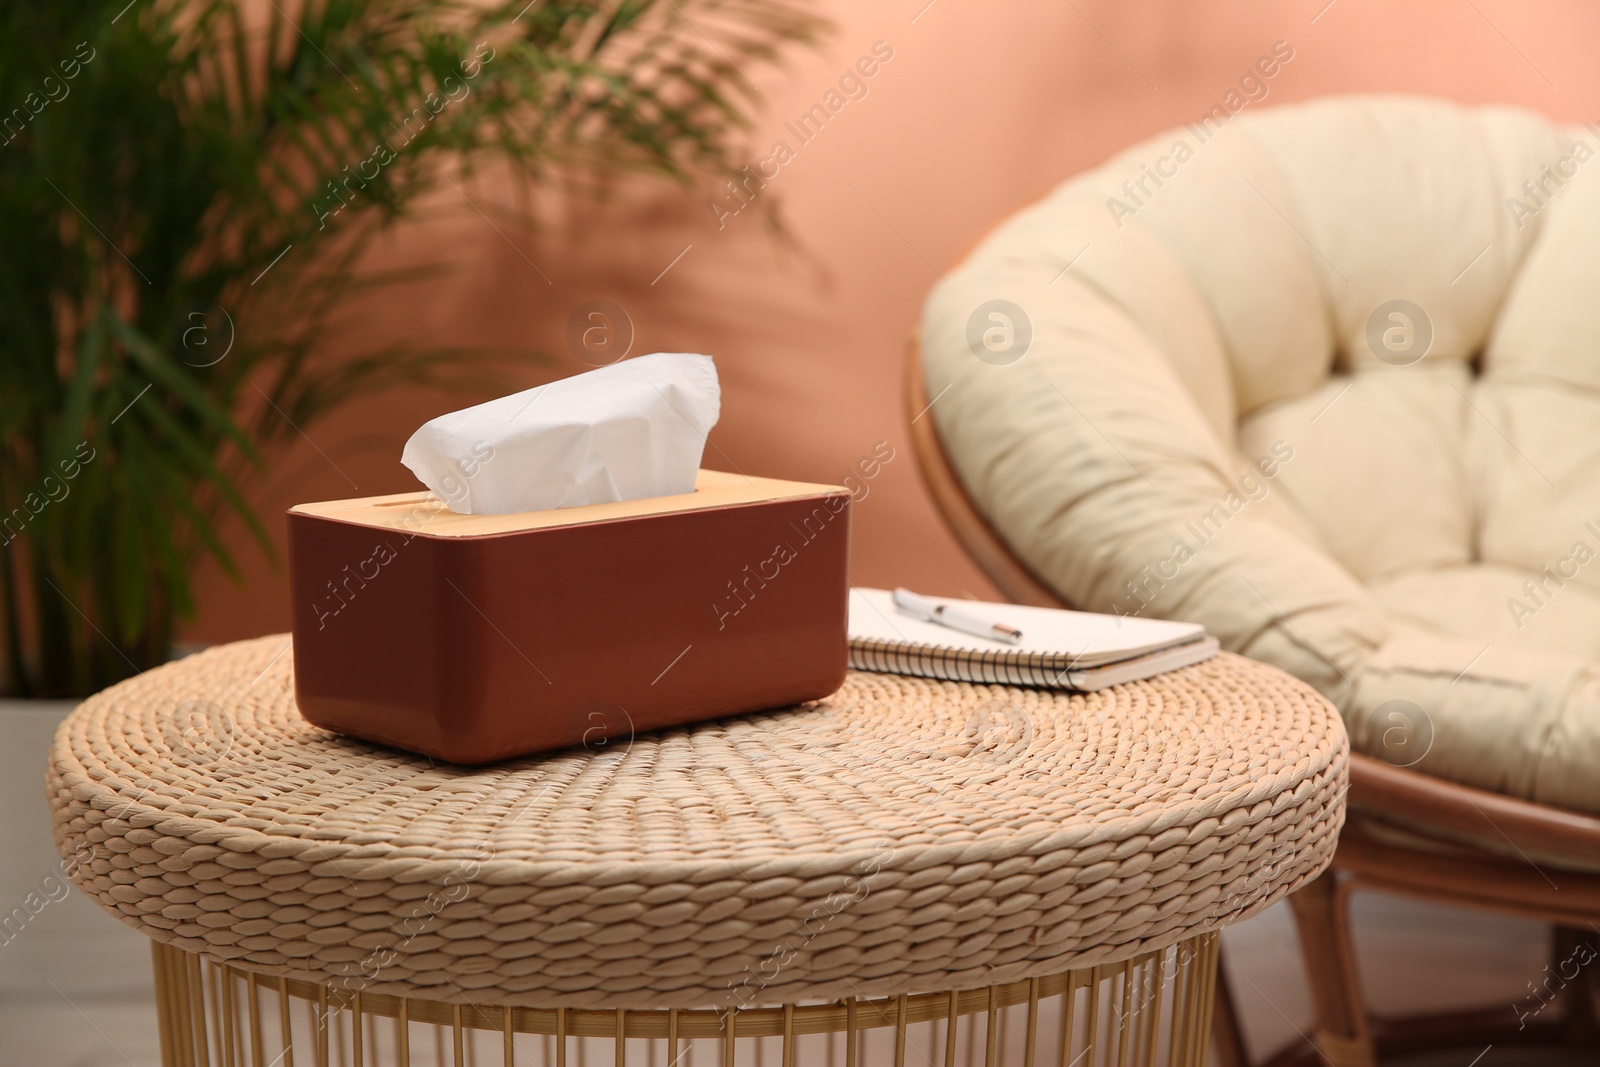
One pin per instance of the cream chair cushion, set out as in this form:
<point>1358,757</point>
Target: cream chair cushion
<point>1201,401</point>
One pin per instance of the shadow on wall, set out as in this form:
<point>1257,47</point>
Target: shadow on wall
<point>968,113</point>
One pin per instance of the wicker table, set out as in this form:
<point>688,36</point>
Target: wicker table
<point>908,868</point>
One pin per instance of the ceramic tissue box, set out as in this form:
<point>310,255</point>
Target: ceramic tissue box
<point>473,638</point>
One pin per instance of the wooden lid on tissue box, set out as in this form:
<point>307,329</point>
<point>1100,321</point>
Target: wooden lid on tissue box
<point>474,638</point>
<point>400,511</point>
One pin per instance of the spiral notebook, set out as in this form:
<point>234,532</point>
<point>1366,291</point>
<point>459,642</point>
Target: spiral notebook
<point>1059,649</point>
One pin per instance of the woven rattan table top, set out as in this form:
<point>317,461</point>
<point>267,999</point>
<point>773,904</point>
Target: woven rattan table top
<point>903,835</point>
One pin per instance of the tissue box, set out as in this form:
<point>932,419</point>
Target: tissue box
<point>474,638</point>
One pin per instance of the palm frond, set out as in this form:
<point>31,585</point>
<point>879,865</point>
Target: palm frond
<point>157,163</point>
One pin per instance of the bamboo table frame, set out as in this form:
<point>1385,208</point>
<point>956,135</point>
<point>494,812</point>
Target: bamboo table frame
<point>1154,1008</point>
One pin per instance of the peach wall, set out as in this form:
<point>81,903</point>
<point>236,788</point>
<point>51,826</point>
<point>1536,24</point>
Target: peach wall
<point>983,107</point>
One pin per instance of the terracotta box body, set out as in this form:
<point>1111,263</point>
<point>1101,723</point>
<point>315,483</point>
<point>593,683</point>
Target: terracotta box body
<point>474,638</point>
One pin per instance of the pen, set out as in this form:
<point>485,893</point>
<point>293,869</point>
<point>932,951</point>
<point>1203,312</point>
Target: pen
<point>962,619</point>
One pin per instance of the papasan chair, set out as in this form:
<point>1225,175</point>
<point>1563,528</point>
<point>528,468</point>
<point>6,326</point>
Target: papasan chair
<point>1325,378</point>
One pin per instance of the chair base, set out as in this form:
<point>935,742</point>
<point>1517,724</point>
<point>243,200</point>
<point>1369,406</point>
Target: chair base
<point>1467,1031</point>
<point>1559,1012</point>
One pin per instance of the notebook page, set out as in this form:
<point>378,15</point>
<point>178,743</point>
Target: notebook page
<point>1085,638</point>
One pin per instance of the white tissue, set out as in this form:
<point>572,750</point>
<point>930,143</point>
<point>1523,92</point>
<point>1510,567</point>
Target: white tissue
<point>632,430</point>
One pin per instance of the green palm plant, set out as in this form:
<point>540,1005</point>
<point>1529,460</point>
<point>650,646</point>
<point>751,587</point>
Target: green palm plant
<point>190,188</point>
